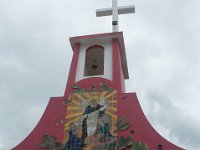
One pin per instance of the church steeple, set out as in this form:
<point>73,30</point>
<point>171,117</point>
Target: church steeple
<point>110,63</point>
<point>99,55</point>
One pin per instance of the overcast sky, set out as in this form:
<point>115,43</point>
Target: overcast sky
<point>163,53</point>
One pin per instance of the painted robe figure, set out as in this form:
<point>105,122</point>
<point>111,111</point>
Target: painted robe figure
<point>74,142</point>
<point>90,116</point>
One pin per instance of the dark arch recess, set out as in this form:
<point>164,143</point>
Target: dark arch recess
<point>94,61</point>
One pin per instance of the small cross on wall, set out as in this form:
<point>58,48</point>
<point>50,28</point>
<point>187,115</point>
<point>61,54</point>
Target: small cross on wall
<point>115,11</point>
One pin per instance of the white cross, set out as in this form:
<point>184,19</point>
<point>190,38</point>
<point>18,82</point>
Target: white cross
<point>115,11</point>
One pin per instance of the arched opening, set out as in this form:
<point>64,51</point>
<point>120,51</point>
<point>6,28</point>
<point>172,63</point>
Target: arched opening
<point>94,61</point>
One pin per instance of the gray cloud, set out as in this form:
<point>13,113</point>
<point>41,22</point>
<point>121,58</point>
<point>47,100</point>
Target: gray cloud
<point>172,117</point>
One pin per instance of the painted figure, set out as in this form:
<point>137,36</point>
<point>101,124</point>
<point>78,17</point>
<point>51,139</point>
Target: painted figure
<point>91,114</point>
<point>103,129</point>
<point>74,143</point>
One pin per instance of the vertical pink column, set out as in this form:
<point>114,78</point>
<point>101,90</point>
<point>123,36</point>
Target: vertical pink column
<point>73,68</point>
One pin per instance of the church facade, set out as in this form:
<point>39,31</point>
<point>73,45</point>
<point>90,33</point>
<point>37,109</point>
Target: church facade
<point>87,116</point>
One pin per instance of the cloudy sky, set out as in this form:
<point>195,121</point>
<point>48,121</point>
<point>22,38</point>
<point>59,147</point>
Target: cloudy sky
<point>163,54</point>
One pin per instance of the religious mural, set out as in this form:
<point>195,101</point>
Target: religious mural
<point>90,119</point>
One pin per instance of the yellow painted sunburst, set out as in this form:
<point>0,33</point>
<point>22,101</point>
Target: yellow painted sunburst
<point>76,108</point>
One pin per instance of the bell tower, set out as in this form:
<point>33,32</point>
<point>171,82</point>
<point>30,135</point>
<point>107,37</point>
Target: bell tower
<point>90,113</point>
<point>98,56</point>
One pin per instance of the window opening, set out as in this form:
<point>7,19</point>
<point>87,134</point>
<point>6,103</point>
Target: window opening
<point>94,61</point>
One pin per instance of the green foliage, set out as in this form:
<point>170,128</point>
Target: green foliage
<point>122,124</point>
<point>122,143</point>
<point>139,146</point>
<point>104,84</point>
<point>74,86</point>
<point>57,146</point>
<point>49,142</point>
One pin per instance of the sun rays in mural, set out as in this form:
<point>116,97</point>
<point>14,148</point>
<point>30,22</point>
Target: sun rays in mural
<point>90,114</point>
